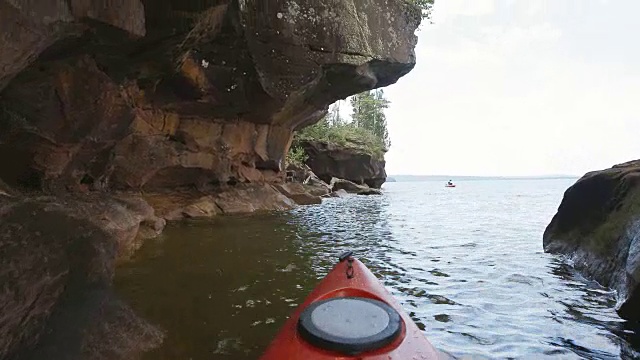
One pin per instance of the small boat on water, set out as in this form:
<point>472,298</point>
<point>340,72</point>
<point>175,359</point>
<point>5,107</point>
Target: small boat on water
<point>450,185</point>
<point>350,315</point>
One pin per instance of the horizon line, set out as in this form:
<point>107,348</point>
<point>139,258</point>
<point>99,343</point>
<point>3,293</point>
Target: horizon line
<point>491,176</point>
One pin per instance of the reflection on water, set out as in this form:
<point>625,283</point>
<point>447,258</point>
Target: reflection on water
<point>221,289</point>
<point>466,263</point>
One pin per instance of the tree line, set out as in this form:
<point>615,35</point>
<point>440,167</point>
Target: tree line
<point>365,130</point>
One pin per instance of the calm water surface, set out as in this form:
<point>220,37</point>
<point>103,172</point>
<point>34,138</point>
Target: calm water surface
<point>466,263</point>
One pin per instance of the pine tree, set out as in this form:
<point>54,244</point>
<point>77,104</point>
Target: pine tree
<point>380,123</point>
<point>368,113</point>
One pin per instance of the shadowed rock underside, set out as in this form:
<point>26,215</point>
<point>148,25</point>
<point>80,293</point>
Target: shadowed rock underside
<point>161,94</point>
<point>192,100</point>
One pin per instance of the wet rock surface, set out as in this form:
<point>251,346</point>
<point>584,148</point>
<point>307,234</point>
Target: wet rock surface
<point>118,116</point>
<point>597,226</point>
<point>159,94</point>
<point>353,188</point>
<point>58,259</point>
<point>330,160</point>
<point>300,194</point>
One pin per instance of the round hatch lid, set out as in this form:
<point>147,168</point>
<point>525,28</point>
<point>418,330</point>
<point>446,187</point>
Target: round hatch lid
<point>349,325</point>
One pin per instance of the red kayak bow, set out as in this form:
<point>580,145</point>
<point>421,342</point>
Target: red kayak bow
<point>350,315</point>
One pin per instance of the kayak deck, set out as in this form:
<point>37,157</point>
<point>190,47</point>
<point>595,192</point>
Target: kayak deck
<point>350,279</point>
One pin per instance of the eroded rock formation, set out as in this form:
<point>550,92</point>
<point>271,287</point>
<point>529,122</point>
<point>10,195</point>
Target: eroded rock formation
<point>159,94</point>
<point>149,97</point>
<point>330,160</point>
<point>598,227</point>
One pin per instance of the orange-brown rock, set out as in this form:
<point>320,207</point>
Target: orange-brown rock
<point>240,199</point>
<point>159,97</point>
<point>160,94</point>
<point>247,199</point>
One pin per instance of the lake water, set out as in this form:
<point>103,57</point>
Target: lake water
<point>466,263</point>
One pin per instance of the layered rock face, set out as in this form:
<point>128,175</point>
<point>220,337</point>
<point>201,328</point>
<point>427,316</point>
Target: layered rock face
<point>105,98</point>
<point>159,94</point>
<point>330,160</point>
<point>598,227</point>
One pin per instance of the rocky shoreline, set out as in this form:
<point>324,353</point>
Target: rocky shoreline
<point>59,255</point>
<point>330,161</point>
<point>597,227</point>
<point>115,119</point>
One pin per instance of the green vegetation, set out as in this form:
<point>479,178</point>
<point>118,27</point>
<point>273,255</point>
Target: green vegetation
<point>367,131</point>
<point>602,239</point>
<point>368,113</point>
<point>346,135</point>
<point>425,5</point>
<point>296,156</point>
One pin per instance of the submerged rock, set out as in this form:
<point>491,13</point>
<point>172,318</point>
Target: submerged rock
<point>298,193</point>
<point>240,199</point>
<point>250,199</point>
<point>598,227</point>
<point>153,97</point>
<point>330,160</point>
<point>350,187</point>
<point>58,260</point>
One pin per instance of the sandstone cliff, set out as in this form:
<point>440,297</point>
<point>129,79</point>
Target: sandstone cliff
<point>329,160</point>
<point>152,97</point>
<point>159,94</point>
<point>598,227</point>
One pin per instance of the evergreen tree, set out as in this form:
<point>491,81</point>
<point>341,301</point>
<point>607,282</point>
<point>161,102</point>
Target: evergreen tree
<point>366,132</point>
<point>426,6</point>
<point>380,120</point>
<point>368,113</point>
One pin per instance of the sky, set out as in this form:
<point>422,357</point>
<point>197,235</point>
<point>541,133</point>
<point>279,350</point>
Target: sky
<point>519,88</point>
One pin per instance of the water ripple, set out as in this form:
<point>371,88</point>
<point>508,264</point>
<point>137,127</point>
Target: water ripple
<point>468,265</point>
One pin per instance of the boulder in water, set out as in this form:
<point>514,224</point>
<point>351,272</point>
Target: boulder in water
<point>353,188</point>
<point>328,160</point>
<point>298,193</point>
<point>598,227</point>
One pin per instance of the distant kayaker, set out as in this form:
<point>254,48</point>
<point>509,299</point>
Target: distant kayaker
<point>449,183</point>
